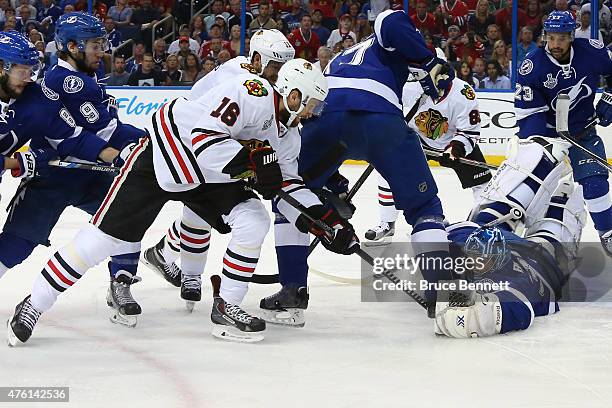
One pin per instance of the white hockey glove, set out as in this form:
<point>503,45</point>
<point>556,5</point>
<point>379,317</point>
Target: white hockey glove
<point>482,319</point>
<point>32,162</point>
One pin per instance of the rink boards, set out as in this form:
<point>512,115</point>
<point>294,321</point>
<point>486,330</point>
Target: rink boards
<point>137,104</point>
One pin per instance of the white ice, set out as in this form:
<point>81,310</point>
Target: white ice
<point>349,354</point>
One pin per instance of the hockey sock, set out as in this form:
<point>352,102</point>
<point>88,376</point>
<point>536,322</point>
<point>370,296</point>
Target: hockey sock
<point>291,252</point>
<point>194,244</point>
<point>238,266</point>
<point>386,205</point>
<point>596,192</point>
<point>125,262</point>
<point>172,242</point>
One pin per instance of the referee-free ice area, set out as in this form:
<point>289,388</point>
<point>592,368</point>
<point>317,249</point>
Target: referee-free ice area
<point>349,354</point>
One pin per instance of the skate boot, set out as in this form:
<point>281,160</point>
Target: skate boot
<point>22,324</point>
<point>232,323</point>
<point>286,307</point>
<point>606,242</point>
<point>153,258</point>
<point>380,235</point>
<point>191,290</point>
<point>119,297</point>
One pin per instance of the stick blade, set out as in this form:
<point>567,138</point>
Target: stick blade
<point>562,112</point>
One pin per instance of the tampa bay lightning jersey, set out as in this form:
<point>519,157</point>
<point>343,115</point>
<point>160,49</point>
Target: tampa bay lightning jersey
<point>370,75</point>
<point>89,104</point>
<point>40,118</point>
<point>541,78</point>
<point>533,275</point>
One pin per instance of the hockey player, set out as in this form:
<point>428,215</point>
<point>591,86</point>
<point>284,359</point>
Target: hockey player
<point>30,111</point>
<point>196,156</point>
<point>269,50</point>
<point>531,271</point>
<point>450,126</point>
<point>81,41</point>
<point>364,110</point>
<point>571,66</point>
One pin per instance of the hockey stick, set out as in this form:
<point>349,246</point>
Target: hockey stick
<point>349,197</point>
<point>462,160</point>
<point>360,252</point>
<point>83,166</point>
<point>562,128</point>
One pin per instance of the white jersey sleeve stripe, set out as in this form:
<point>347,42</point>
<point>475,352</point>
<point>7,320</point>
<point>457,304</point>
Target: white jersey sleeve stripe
<point>523,113</point>
<point>365,84</point>
<point>378,26</point>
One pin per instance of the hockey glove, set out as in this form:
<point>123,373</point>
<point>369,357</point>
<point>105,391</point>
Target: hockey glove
<point>604,109</point>
<point>268,177</point>
<point>341,240</point>
<point>338,184</point>
<point>440,77</point>
<point>124,153</point>
<point>32,162</point>
<point>112,106</point>
<point>454,150</point>
<point>483,318</point>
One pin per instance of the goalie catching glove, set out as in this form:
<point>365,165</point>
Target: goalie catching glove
<point>32,162</point>
<point>483,318</point>
<point>341,239</point>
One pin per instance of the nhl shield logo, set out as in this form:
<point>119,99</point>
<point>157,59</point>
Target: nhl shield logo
<point>423,187</point>
<point>255,87</point>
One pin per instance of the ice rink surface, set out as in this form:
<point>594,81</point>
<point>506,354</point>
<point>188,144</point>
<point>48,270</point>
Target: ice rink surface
<point>349,354</point>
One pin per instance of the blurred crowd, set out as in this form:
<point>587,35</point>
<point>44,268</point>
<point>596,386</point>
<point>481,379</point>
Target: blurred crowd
<point>158,42</point>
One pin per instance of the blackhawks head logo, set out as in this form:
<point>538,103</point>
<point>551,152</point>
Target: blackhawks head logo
<point>468,92</point>
<point>255,87</point>
<point>249,68</point>
<point>431,123</point>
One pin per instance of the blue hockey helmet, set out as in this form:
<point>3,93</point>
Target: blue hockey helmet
<point>15,48</point>
<point>78,27</point>
<point>560,22</point>
<point>489,245</point>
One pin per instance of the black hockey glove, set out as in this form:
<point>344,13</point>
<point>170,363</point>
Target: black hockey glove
<point>268,177</point>
<point>341,239</point>
<point>454,150</point>
<point>338,184</point>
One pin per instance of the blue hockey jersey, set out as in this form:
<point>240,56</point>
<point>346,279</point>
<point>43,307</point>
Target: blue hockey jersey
<point>39,117</point>
<point>370,75</point>
<point>541,78</point>
<point>89,104</point>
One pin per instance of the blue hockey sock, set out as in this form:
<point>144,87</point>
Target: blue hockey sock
<point>292,265</point>
<point>14,250</point>
<point>596,192</point>
<point>125,262</point>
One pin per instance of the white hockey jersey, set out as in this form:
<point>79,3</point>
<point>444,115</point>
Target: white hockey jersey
<point>230,69</point>
<point>456,117</point>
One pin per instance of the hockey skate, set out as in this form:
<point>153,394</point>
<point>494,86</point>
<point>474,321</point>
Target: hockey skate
<point>125,309</point>
<point>191,290</point>
<point>22,324</point>
<point>380,235</point>
<point>153,258</point>
<point>232,323</point>
<point>606,242</point>
<point>286,307</point>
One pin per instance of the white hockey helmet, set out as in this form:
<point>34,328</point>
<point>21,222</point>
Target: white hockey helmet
<point>302,75</point>
<point>271,45</point>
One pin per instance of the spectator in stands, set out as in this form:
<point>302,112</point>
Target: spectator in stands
<point>363,29</point>
<point>375,8</point>
<point>584,31</point>
<point>324,55</point>
<point>481,20</point>
<point>347,42</point>
<point>423,19</point>
<point>469,48</point>
<point>451,12</point>
<point>503,19</point>
<point>525,45</point>
<point>224,56</point>
<point>99,8</point>
<point>344,29</point>
<point>465,73</point>
<point>212,48</point>
<point>562,5</point>
<point>10,23</point>
<point>198,30</point>
<point>605,15</point>
<point>234,41</point>
<point>451,44</point>
<point>48,10</point>
<point>222,23</point>
<point>235,17</point>
<point>534,16</point>
<point>119,76</point>
<point>321,31</point>
<point>294,18</point>
<point>146,74</point>
<point>500,54</point>
<point>115,38</point>
<point>184,32</point>
<point>263,21</point>
<point>146,17</point>
<point>209,63</point>
<point>138,51</point>
<point>4,4</point>
<point>216,9</point>
<point>282,26</point>
<point>120,13</point>
<point>32,10</point>
<point>192,70</point>
<point>159,53</point>
<point>493,35</point>
<point>68,8</point>
<point>304,40</point>
<point>495,78</point>
<point>23,18</point>
<point>165,7</point>
<point>429,42</point>
<point>173,74</point>
<point>479,71</point>
<point>184,51</point>
<point>328,16</point>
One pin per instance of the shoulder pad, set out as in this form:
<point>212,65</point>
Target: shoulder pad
<point>256,87</point>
